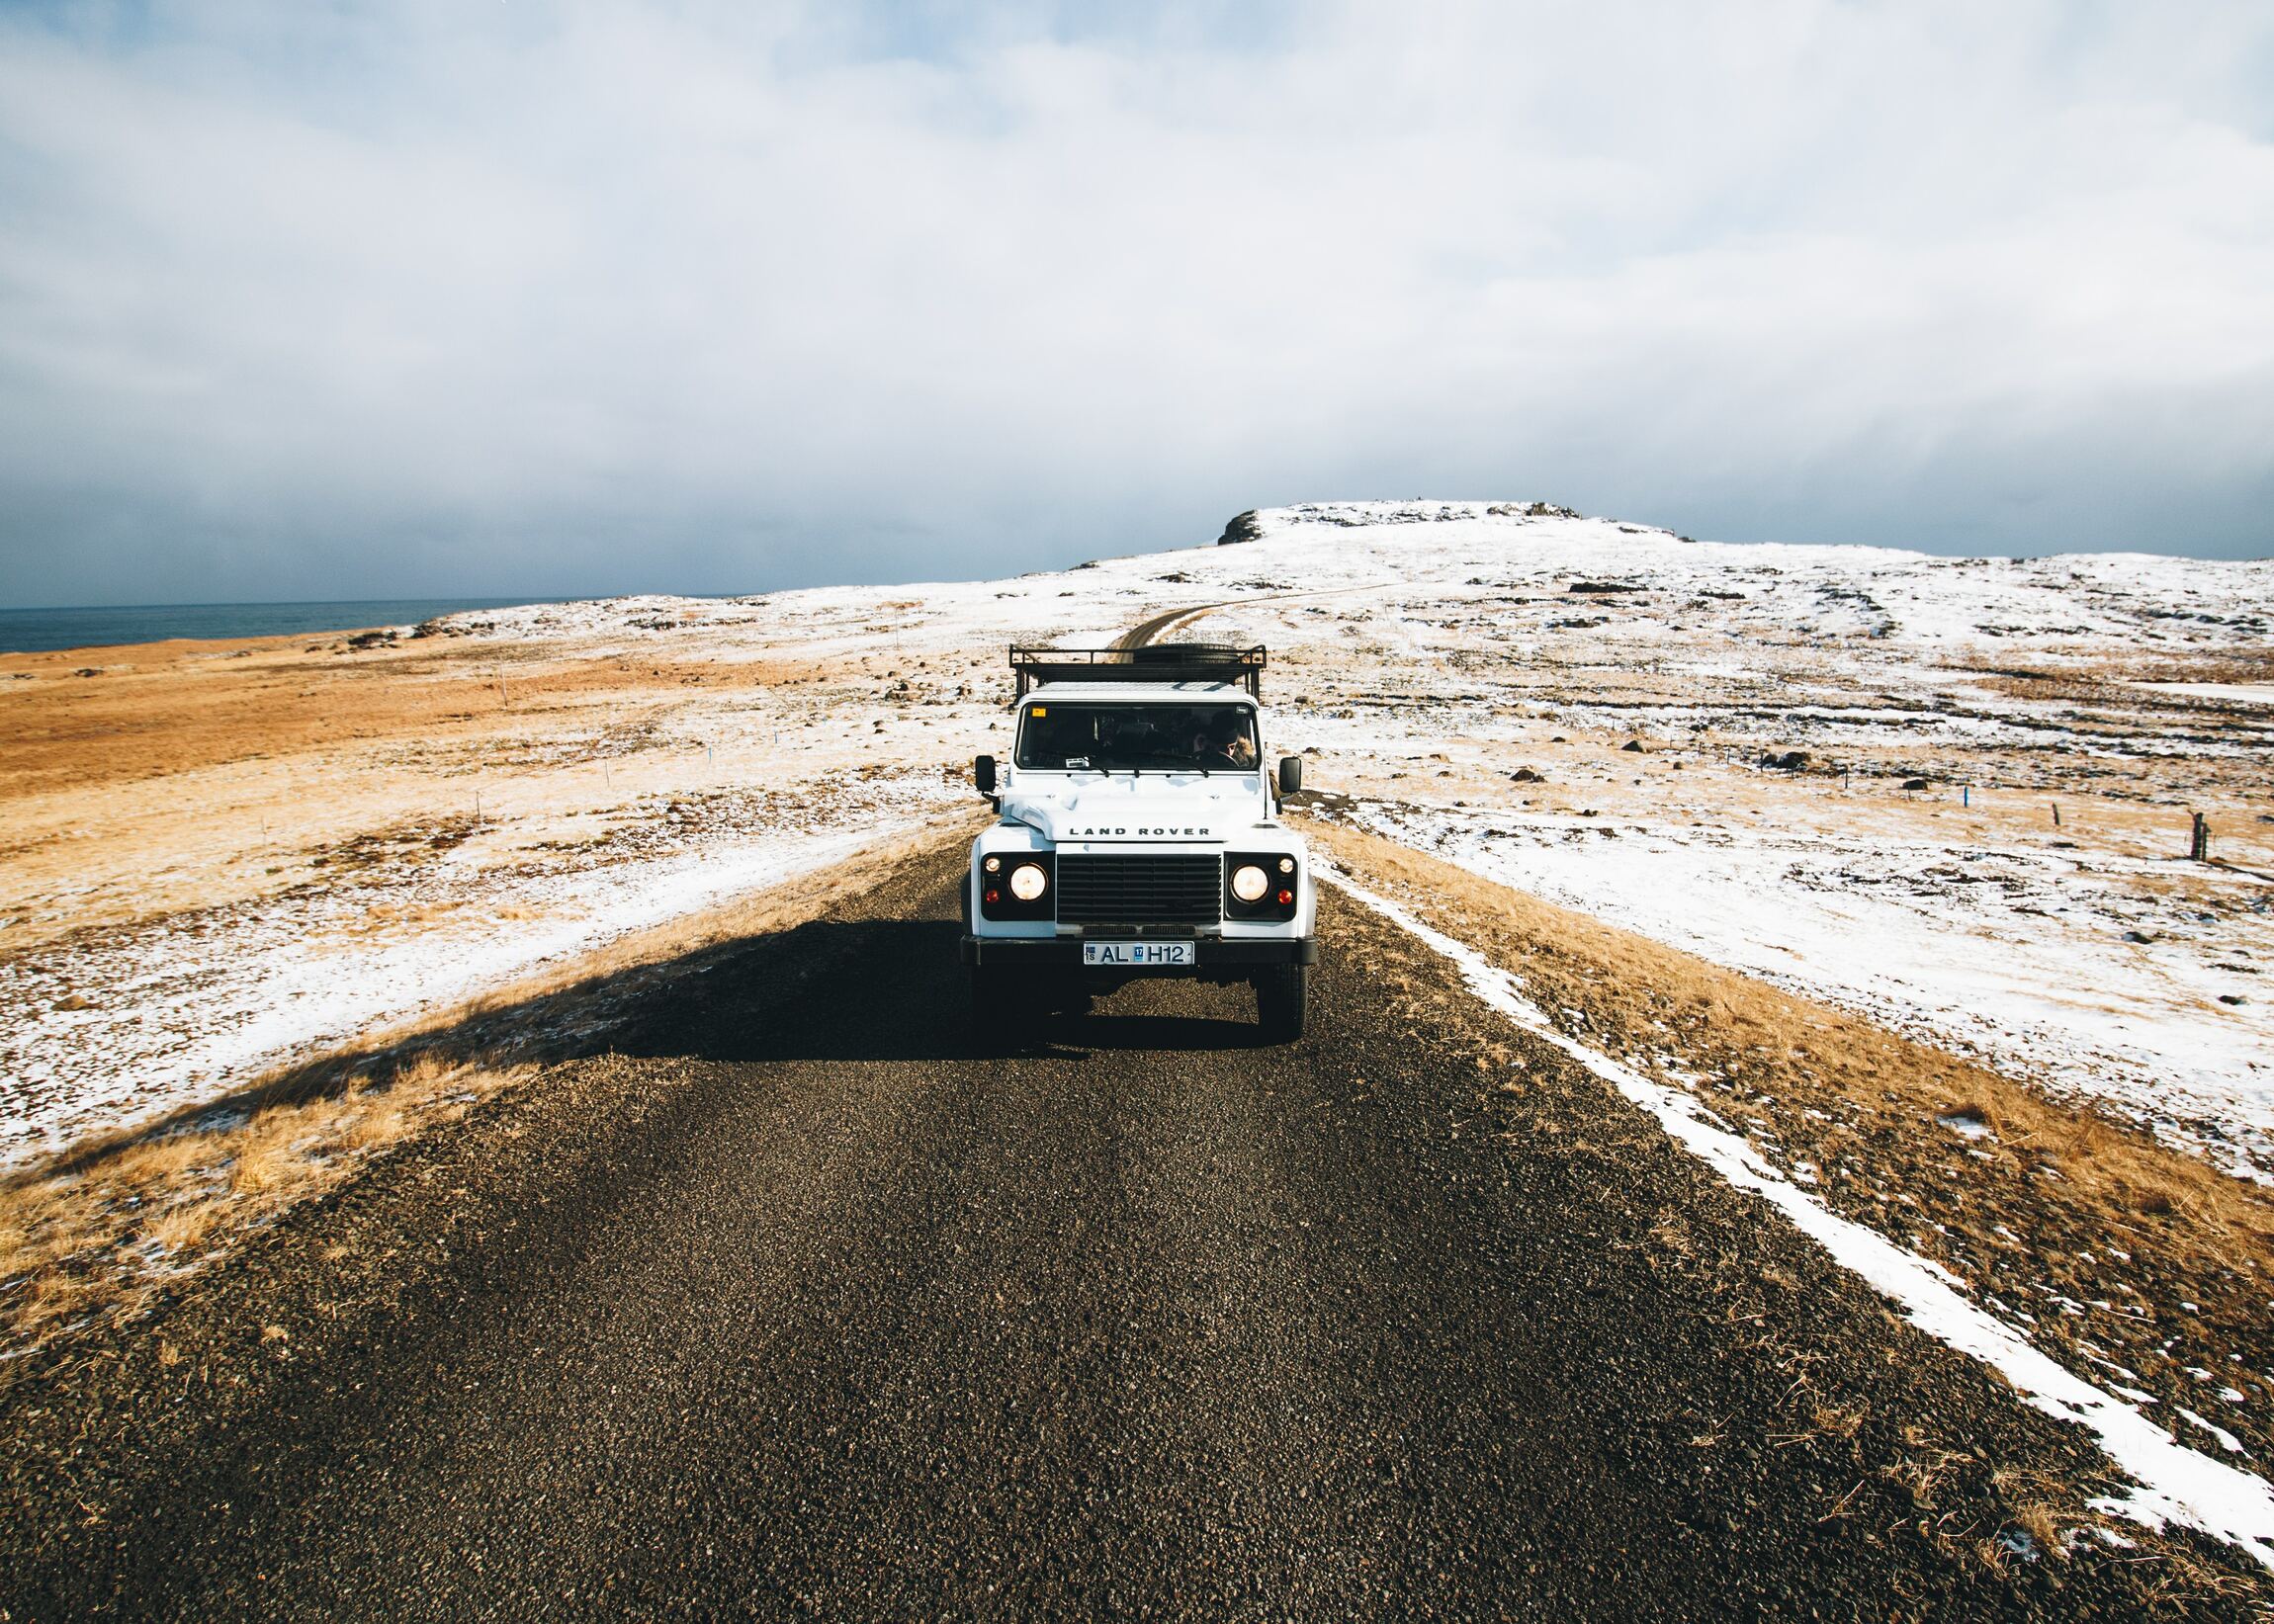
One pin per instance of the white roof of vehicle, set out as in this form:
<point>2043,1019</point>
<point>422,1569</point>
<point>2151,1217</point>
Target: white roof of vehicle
<point>1156,693</point>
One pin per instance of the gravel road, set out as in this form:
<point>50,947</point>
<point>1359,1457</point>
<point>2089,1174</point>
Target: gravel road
<point>801,1303</point>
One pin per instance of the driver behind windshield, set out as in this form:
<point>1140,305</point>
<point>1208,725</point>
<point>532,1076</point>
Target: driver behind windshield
<point>1234,738</point>
<point>1220,742</point>
<point>1126,739</point>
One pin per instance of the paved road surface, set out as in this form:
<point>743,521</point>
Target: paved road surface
<point>803,1303</point>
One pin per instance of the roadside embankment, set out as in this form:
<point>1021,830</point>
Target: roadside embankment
<point>113,1223</point>
<point>2134,1265</point>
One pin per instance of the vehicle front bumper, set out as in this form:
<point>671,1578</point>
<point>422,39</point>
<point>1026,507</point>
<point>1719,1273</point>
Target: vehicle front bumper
<point>1213,952</point>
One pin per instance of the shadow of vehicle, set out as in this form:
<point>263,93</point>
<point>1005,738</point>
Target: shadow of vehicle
<point>893,989</point>
<point>850,990</point>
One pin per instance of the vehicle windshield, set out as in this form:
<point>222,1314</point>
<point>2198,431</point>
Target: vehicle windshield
<point>1119,739</point>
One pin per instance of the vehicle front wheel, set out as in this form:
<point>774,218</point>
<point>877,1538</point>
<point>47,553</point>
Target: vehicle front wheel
<point>1282,1001</point>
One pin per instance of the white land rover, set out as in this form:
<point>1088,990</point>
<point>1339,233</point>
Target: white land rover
<point>1139,838</point>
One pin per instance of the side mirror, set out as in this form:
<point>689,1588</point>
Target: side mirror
<point>1290,774</point>
<point>983,774</point>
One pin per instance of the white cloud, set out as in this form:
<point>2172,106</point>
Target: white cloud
<point>440,298</point>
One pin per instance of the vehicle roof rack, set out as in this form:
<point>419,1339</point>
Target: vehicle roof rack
<point>1152,662</point>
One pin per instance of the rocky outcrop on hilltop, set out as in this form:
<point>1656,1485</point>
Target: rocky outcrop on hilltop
<point>1243,527</point>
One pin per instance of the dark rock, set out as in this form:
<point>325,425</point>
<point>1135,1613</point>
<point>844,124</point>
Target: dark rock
<point>1243,527</point>
<point>1633,744</point>
<point>1530,510</point>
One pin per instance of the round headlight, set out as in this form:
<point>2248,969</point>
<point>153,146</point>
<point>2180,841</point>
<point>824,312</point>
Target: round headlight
<point>1027,882</point>
<point>1248,882</point>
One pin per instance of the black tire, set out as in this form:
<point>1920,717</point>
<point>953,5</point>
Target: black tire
<point>1168,654</point>
<point>1282,1002</point>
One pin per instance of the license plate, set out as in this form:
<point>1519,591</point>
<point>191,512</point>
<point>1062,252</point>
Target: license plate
<point>1137,955</point>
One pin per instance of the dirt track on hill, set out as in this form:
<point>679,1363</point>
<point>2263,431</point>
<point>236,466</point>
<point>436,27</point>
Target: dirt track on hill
<point>802,1303</point>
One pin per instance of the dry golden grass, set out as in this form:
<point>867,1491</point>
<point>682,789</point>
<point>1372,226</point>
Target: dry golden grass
<point>180,1226</point>
<point>2037,1521</point>
<point>97,1229</point>
<point>1837,1420</point>
<point>165,708</point>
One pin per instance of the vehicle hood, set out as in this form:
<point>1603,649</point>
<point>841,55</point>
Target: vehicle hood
<point>1138,810</point>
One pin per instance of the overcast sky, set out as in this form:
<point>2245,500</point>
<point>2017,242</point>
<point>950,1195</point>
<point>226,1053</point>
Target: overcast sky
<point>493,296</point>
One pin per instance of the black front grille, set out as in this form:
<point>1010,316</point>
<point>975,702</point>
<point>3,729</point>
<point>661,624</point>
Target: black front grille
<point>1139,891</point>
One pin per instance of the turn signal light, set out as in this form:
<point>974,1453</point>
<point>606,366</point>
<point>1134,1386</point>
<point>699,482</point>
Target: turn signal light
<point>991,896</point>
<point>1285,896</point>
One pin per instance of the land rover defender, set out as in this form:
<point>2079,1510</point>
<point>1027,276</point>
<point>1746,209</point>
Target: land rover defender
<point>1139,838</point>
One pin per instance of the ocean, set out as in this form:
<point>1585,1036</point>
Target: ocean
<point>37,631</point>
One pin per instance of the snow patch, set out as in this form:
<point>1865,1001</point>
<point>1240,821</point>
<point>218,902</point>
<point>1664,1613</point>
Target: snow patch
<point>1964,1124</point>
<point>188,1011</point>
<point>2018,957</point>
